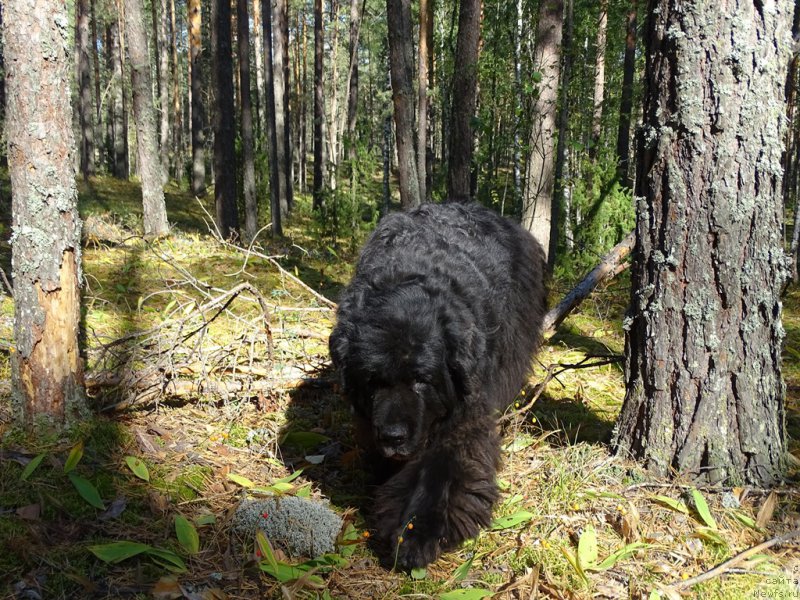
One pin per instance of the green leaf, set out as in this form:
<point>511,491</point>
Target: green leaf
<point>31,466</point>
<point>465,594</point>
<point>167,559</point>
<point>512,520</point>
<point>744,519</point>
<point>265,549</point>
<point>621,554</point>
<point>138,467</point>
<point>304,492</point>
<point>284,572</point>
<point>348,540</point>
<point>115,552</point>
<point>460,574</point>
<point>289,478</point>
<point>709,534</point>
<point>239,480</point>
<point>572,559</point>
<point>419,573</point>
<point>702,509</point>
<point>87,491</point>
<point>204,520</point>
<point>74,457</point>
<point>187,535</point>
<point>676,505</point>
<point>587,548</point>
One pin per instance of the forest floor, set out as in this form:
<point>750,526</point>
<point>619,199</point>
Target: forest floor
<point>208,371</point>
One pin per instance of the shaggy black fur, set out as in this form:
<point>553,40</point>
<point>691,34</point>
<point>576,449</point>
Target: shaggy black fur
<point>435,336</point>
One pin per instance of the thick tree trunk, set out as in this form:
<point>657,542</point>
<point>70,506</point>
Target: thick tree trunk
<point>47,369</point>
<point>319,110</point>
<point>153,207</point>
<point>269,79</point>
<point>246,123</point>
<point>85,105</point>
<point>224,122</point>
<point>465,96</point>
<point>193,10</point>
<point>704,388</point>
<point>537,204</point>
<point>626,100</point>
<point>401,66</point>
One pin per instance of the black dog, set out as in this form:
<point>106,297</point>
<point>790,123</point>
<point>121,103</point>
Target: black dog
<point>435,336</point>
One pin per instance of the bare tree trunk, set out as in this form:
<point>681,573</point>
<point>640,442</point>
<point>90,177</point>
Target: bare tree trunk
<point>704,392</point>
<point>269,80</point>
<point>248,168</point>
<point>333,97</point>
<point>401,66</point>
<point>224,123</point>
<point>163,52</point>
<point>319,109</point>
<point>300,95</point>
<point>85,108</point>
<point>423,82</point>
<point>626,100</point>
<point>98,120</point>
<point>153,206</point>
<point>259,56</point>
<point>177,106</point>
<point>356,10</point>
<point>561,194</point>
<point>599,79</point>
<point>193,9</point>
<point>537,205</point>
<point>465,95</point>
<point>46,366</point>
<point>283,121</point>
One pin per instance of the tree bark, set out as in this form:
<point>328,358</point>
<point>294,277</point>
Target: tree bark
<point>85,105</point>
<point>599,79</point>
<point>560,189</point>
<point>163,46</point>
<point>224,123</point>
<point>177,105</point>
<point>703,374</point>
<point>269,81</point>
<point>423,83</point>
<point>153,207</point>
<point>401,67</point>
<point>258,39</point>
<point>465,96</point>
<point>319,110</point>
<point>626,100</point>
<point>246,124</point>
<point>537,204</point>
<point>356,12</point>
<point>47,369</point>
<point>193,9</point>
<point>280,83</point>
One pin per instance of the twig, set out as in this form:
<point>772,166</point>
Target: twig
<point>735,560</point>
<point>6,283</point>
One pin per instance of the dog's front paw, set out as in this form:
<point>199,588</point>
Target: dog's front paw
<point>418,549</point>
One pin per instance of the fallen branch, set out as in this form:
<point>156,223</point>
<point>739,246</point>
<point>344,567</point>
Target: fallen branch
<point>735,560</point>
<point>610,266</point>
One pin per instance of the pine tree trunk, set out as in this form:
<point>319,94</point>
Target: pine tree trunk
<point>423,82</point>
<point>85,105</point>
<point>626,100</point>
<point>97,100</point>
<point>154,210</point>
<point>560,192</point>
<point>160,36</point>
<point>177,104</point>
<point>333,96</point>
<point>279,82</point>
<point>47,369</point>
<point>465,95</point>
<point>356,11</point>
<point>246,124</point>
<point>599,79</point>
<point>703,375</point>
<point>319,110</point>
<point>401,66</point>
<point>258,40</point>
<point>117,125</point>
<point>283,15</point>
<point>269,84</point>
<point>302,133</point>
<point>537,205</point>
<point>193,9</point>
<point>224,122</point>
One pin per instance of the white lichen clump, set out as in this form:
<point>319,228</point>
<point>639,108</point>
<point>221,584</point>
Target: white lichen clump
<point>299,526</point>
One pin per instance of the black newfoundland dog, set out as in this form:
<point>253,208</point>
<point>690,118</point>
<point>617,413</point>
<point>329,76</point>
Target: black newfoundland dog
<point>434,338</point>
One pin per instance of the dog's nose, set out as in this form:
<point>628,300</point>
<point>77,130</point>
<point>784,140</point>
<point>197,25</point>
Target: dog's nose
<point>394,434</point>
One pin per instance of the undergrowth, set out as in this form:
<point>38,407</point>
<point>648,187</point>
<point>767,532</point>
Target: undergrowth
<point>169,467</point>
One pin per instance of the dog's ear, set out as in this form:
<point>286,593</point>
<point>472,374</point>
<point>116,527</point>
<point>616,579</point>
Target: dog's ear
<point>464,346</point>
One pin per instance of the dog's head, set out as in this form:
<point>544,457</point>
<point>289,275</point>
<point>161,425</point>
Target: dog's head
<point>398,370</point>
